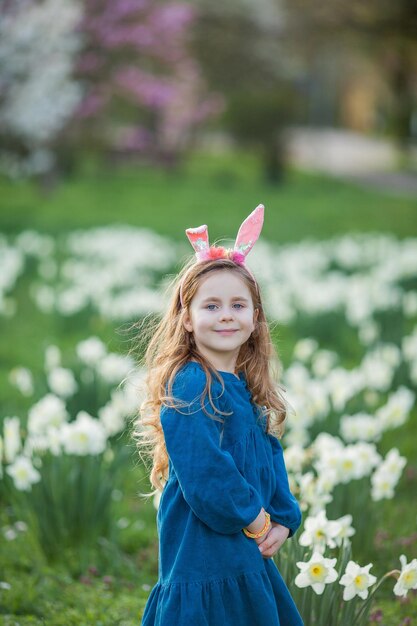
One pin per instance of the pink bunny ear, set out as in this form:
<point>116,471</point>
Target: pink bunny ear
<point>198,237</point>
<point>249,231</point>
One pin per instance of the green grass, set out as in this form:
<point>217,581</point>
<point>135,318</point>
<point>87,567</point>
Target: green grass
<point>217,190</point>
<point>110,589</point>
<point>220,192</point>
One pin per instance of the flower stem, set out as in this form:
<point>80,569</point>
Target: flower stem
<point>393,573</point>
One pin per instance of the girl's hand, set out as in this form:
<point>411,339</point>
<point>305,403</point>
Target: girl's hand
<point>271,542</point>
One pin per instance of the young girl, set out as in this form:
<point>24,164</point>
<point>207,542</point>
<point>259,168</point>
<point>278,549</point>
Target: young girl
<point>211,412</point>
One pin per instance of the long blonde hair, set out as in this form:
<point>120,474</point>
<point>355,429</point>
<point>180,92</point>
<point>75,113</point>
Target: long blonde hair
<point>170,346</point>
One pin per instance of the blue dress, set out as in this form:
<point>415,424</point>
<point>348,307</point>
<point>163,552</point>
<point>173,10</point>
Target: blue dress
<point>220,476</point>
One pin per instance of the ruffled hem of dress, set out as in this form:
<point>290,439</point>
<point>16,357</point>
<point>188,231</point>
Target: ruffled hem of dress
<point>246,599</point>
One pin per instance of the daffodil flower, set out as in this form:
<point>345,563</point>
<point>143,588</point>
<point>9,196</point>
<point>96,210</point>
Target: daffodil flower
<point>357,581</point>
<point>317,572</point>
<point>408,577</point>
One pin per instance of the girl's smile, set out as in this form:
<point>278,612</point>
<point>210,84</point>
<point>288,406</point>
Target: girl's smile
<point>222,308</point>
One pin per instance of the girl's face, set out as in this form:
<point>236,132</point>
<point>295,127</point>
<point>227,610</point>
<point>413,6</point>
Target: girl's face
<point>222,316</point>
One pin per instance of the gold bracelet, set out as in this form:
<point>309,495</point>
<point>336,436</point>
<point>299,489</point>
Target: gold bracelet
<point>261,532</point>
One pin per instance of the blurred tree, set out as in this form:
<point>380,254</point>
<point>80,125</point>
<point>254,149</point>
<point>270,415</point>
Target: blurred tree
<point>258,118</point>
<point>385,31</point>
<point>240,47</point>
<point>145,92</point>
<point>38,94</point>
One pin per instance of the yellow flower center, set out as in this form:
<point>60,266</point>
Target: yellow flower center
<point>409,578</point>
<point>361,582</point>
<point>318,572</point>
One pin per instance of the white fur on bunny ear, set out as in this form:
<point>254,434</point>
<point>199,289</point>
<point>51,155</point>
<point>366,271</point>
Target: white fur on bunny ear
<point>250,230</point>
<point>198,238</point>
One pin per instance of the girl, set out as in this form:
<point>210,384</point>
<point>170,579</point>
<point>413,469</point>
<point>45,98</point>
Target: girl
<point>209,420</point>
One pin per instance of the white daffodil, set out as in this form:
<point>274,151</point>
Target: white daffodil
<point>112,420</point>
<point>62,382</point>
<point>360,427</point>
<point>52,357</point>
<point>342,385</point>
<point>22,379</point>
<point>319,532</point>
<point>113,368</point>
<point>294,456</point>
<point>48,411</point>
<point>297,436</point>
<point>382,487</point>
<point>394,463</point>
<point>310,496</point>
<point>322,362</point>
<point>91,350</point>
<point>11,438</point>
<point>387,475</point>
<point>356,581</point>
<point>408,577</point>
<point>327,481</point>
<point>86,435</point>
<point>367,456</point>
<point>305,348</point>
<point>317,573</point>
<point>326,443</point>
<point>23,473</point>
<point>346,529</point>
<point>397,409</point>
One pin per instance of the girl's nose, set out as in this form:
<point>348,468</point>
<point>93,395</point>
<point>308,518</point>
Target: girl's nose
<point>226,314</point>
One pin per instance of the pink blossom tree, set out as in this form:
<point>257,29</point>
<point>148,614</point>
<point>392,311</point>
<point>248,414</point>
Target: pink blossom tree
<point>144,91</point>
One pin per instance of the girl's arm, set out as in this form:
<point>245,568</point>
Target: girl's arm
<point>210,481</point>
<point>283,507</point>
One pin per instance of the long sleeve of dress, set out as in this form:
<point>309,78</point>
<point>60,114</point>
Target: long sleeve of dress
<point>283,507</point>
<point>209,479</point>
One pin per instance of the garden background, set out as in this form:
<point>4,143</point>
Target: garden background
<point>122,124</point>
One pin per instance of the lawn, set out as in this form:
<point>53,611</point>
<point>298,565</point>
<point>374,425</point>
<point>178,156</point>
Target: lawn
<point>112,584</point>
<point>223,188</point>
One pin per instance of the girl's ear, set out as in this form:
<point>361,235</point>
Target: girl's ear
<point>255,315</point>
<point>187,322</point>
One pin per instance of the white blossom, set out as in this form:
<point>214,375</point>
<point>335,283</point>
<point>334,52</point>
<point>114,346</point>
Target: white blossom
<point>22,379</point>
<point>396,411</point>
<point>408,577</point>
<point>53,357</point>
<point>86,435</point>
<point>317,573</point>
<point>357,581</point>
<point>90,351</point>
<point>305,348</point>
<point>346,529</point>
<point>319,532</point>
<point>360,427</point>
<point>48,412</point>
<point>11,438</point>
<point>62,382</point>
<point>387,475</point>
<point>38,45</point>
<point>114,367</point>
<point>23,473</point>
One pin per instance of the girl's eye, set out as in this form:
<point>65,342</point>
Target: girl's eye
<point>236,304</point>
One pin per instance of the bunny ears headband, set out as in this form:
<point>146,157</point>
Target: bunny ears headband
<point>247,236</point>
